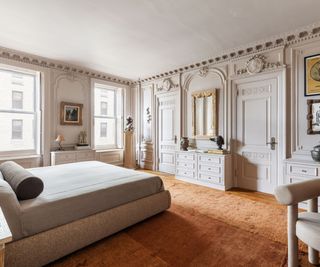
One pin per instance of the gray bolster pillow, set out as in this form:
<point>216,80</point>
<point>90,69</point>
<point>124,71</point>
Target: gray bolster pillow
<point>23,183</point>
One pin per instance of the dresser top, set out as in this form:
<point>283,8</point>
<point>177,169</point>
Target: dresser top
<point>303,161</point>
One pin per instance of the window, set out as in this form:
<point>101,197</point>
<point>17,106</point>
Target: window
<point>108,116</point>
<point>17,100</point>
<point>104,108</point>
<point>103,129</point>
<point>17,128</point>
<point>20,115</point>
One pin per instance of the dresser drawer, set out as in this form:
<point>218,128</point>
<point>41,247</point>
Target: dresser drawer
<point>210,159</point>
<point>65,157</point>
<point>85,155</point>
<point>186,173</point>
<point>187,165</point>
<point>185,157</point>
<point>211,178</point>
<point>296,169</point>
<point>210,169</point>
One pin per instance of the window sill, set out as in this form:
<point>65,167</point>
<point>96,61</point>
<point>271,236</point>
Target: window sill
<point>2,158</point>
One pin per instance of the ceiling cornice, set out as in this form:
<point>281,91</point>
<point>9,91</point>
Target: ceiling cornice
<point>59,65</point>
<point>285,39</point>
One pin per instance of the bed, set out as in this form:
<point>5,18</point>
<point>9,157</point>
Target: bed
<point>81,203</point>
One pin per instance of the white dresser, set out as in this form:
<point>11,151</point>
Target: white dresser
<point>205,169</point>
<point>69,156</point>
<point>301,170</point>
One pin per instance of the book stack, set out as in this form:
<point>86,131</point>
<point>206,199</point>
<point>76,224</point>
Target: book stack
<point>81,147</point>
<point>217,151</point>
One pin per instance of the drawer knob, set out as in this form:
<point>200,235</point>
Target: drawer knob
<point>304,171</point>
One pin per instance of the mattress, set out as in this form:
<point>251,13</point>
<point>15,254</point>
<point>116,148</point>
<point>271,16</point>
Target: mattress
<point>77,190</point>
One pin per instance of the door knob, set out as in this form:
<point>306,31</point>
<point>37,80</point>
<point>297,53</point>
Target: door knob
<point>175,139</point>
<point>272,143</point>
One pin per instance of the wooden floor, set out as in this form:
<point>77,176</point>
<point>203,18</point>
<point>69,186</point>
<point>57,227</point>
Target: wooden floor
<point>249,194</point>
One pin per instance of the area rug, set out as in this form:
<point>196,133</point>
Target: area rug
<point>203,227</point>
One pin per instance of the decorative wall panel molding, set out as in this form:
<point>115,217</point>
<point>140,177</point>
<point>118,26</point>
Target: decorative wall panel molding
<point>53,64</point>
<point>285,39</point>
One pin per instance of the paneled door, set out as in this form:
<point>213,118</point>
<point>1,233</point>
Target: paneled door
<point>257,134</point>
<point>168,130</point>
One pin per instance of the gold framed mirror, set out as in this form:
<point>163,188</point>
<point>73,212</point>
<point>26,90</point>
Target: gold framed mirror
<point>204,113</point>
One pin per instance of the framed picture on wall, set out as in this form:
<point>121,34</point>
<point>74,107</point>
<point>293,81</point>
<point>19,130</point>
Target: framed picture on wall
<point>70,113</point>
<point>312,75</point>
<point>313,116</point>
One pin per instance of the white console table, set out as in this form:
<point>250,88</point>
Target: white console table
<point>69,156</point>
<point>210,170</point>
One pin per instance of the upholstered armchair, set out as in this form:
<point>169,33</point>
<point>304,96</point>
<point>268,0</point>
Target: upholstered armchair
<point>303,225</point>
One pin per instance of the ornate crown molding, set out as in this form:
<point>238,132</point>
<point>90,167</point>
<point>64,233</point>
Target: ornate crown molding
<point>58,65</point>
<point>289,38</point>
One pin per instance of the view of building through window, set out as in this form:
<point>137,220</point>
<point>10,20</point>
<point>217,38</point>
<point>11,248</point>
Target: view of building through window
<point>19,111</point>
<point>108,110</point>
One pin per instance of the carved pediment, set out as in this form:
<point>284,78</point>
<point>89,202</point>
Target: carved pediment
<point>167,85</point>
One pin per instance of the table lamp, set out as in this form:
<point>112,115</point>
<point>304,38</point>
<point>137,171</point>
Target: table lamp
<point>59,139</point>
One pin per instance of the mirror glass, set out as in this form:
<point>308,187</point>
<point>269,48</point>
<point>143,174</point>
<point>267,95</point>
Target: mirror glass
<point>204,113</point>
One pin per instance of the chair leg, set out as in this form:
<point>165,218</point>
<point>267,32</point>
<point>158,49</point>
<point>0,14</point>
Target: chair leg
<point>313,256</point>
<point>292,238</point>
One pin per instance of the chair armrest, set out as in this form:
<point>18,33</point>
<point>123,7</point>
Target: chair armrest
<point>294,193</point>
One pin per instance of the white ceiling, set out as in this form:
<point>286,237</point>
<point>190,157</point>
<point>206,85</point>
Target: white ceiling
<point>139,38</point>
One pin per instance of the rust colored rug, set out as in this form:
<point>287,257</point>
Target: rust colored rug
<point>204,227</point>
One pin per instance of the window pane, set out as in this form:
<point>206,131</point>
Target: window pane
<point>107,97</point>
<point>9,88</point>
<point>105,132</point>
<point>19,133</point>
<point>17,100</point>
<point>104,108</point>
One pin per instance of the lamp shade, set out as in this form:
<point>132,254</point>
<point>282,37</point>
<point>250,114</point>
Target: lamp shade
<point>60,138</point>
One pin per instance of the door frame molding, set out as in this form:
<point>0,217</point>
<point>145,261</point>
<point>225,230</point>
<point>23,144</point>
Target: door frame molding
<point>280,75</point>
<point>157,102</point>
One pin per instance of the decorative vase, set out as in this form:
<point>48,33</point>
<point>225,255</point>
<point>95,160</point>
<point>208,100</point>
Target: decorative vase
<point>184,143</point>
<point>315,153</point>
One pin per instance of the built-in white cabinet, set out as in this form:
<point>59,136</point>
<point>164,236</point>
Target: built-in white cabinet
<point>114,157</point>
<point>205,169</point>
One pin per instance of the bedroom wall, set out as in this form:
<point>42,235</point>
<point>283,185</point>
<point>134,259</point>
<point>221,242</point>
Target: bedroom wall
<point>283,54</point>
<point>61,85</point>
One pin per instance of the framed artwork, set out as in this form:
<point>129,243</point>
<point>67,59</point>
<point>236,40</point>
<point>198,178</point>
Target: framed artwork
<point>312,75</point>
<point>70,113</point>
<point>313,116</point>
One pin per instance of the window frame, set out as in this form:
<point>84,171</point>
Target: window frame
<point>37,112</point>
<point>118,93</point>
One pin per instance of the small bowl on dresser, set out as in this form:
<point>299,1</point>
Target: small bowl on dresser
<point>315,153</point>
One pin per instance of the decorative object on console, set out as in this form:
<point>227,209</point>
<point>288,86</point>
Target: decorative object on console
<point>255,64</point>
<point>82,139</point>
<point>70,113</point>
<point>184,143</point>
<point>313,116</point>
<point>60,139</point>
<point>129,125</point>
<point>312,75</point>
<point>315,153</point>
<point>204,113</point>
<point>219,140</point>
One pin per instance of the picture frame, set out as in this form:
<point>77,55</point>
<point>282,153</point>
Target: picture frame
<point>313,116</point>
<point>312,75</point>
<point>71,113</point>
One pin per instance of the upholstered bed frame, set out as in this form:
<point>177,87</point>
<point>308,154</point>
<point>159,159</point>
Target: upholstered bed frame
<point>50,245</point>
